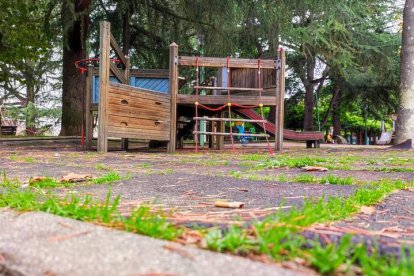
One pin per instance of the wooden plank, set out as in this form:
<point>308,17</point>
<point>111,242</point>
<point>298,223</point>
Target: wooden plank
<point>139,123</point>
<point>229,88</point>
<point>105,34</point>
<point>118,74</point>
<point>150,73</point>
<point>124,141</point>
<point>222,99</point>
<point>280,105</point>
<point>88,112</point>
<point>222,62</point>
<point>133,96</point>
<point>173,93</point>
<point>144,73</point>
<point>140,135</point>
<point>115,46</point>
<point>229,134</point>
<point>127,111</point>
<point>228,120</point>
<point>144,93</point>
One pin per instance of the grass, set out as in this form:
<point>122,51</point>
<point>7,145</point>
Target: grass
<point>337,180</point>
<point>107,178</point>
<point>49,182</point>
<point>14,157</point>
<point>278,235</point>
<point>141,221</point>
<point>102,167</point>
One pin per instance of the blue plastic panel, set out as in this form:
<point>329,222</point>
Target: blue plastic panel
<point>158,85</point>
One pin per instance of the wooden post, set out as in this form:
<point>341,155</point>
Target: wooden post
<point>220,128</point>
<point>104,64</point>
<point>173,95</point>
<point>280,104</point>
<point>124,141</point>
<point>88,112</point>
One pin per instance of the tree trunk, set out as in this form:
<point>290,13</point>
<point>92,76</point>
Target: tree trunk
<point>30,119</point>
<point>126,32</point>
<point>29,103</point>
<point>336,115</point>
<point>74,48</point>
<point>274,47</point>
<point>309,101</point>
<point>405,121</point>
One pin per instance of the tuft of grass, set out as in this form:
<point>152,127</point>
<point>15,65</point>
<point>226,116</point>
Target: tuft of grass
<point>337,180</point>
<point>298,162</point>
<point>107,178</point>
<point>305,178</point>
<point>144,166</point>
<point>236,174</point>
<point>102,167</point>
<point>166,171</point>
<point>86,209</point>
<point>49,182</point>
<point>14,157</point>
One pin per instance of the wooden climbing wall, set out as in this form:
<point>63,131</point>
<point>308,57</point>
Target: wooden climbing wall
<point>138,113</point>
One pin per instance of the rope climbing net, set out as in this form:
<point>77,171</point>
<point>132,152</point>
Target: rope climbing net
<point>228,106</point>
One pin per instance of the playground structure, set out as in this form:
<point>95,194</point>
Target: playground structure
<point>149,104</point>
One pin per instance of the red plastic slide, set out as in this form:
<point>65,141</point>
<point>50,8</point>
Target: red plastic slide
<point>287,134</point>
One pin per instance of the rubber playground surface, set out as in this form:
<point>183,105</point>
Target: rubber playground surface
<point>185,186</point>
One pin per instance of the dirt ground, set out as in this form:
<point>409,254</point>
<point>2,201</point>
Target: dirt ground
<point>186,185</point>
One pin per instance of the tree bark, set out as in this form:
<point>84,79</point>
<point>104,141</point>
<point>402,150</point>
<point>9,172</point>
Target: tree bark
<point>405,121</point>
<point>336,114</point>
<point>274,47</point>
<point>75,22</point>
<point>309,101</point>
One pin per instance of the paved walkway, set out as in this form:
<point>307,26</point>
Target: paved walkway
<point>44,244</point>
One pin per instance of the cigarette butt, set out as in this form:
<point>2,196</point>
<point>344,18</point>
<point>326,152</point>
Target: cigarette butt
<point>234,204</point>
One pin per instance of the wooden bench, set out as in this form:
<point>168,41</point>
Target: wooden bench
<point>8,130</point>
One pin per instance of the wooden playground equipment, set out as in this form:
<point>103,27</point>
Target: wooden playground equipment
<point>240,86</point>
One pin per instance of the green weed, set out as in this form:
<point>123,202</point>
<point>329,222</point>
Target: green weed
<point>107,178</point>
<point>305,178</point>
<point>102,167</point>
<point>337,180</point>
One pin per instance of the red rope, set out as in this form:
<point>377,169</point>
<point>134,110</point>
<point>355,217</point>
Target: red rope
<point>212,109</point>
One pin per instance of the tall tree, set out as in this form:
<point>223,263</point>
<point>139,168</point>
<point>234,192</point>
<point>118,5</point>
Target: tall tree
<point>405,121</point>
<point>75,20</point>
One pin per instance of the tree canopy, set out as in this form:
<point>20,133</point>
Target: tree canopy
<point>343,56</point>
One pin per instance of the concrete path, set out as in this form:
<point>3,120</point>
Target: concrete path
<point>44,244</point>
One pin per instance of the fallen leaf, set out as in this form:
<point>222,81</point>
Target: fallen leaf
<point>314,169</point>
<point>190,237</point>
<point>73,177</point>
<point>35,179</point>
<point>367,210</point>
